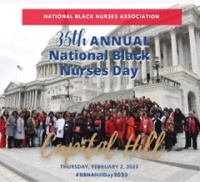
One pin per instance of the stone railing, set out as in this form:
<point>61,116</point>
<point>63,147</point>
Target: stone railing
<point>155,80</point>
<point>66,97</point>
<point>175,69</point>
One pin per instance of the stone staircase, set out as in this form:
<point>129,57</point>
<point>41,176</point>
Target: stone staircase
<point>118,95</point>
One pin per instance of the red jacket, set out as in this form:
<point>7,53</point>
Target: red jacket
<point>110,128</point>
<point>121,125</point>
<point>2,124</point>
<point>192,125</point>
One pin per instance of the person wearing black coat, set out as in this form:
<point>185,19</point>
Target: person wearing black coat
<point>90,128</point>
<point>179,120</point>
<point>68,128</point>
<point>79,127</point>
<point>99,124</point>
<point>157,128</point>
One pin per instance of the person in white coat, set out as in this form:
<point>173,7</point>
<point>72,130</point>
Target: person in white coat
<point>20,132</point>
<point>60,128</point>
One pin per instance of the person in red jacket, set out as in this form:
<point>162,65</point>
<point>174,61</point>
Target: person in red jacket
<point>110,127</point>
<point>121,128</point>
<point>3,120</point>
<point>145,128</point>
<point>168,127</point>
<point>192,128</point>
<point>130,130</point>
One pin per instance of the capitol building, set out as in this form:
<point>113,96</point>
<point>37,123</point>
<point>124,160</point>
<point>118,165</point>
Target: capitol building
<point>171,77</point>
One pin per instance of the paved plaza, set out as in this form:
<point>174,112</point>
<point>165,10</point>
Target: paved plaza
<point>7,175</point>
<point>30,165</point>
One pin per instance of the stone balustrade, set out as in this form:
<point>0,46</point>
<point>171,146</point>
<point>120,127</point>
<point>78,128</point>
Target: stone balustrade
<point>175,69</point>
<point>155,80</point>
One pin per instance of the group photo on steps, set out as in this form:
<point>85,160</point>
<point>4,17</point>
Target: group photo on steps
<point>136,116</point>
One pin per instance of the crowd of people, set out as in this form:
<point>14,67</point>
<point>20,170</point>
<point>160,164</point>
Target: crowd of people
<point>130,117</point>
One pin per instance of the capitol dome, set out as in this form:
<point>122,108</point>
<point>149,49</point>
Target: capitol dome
<point>48,69</point>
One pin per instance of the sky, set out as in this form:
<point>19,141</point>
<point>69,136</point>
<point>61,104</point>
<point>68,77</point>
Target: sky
<point>22,45</point>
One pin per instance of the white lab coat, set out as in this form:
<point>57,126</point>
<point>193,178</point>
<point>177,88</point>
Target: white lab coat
<point>60,127</point>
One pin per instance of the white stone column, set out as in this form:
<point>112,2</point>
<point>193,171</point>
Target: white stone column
<point>19,101</point>
<point>152,58</point>
<point>29,105</point>
<point>42,99</point>
<point>48,70</point>
<point>193,49</point>
<point>130,65</point>
<point>157,50</point>
<point>44,67</point>
<point>50,73</point>
<point>42,71</point>
<point>197,33</point>
<point>157,46</point>
<point>180,50</point>
<point>118,85</point>
<point>16,100</point>
<point>58,69</point>
<point>5,103</point>
<point>12,100</point>
<point>36,92</point>
<point>144,69</point>
<point>25,101</point>
<point>38,72</point>
<point>54,69</point>
<point>8,101</point>
<point>98,77</point>
<point>108,78</point>
<point>28,99</point>
<point>174,47</point>
<point>165,56</point>
<point>33,99</point>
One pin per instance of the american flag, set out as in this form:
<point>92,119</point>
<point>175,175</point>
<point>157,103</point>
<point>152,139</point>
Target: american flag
<point>19,68</point>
